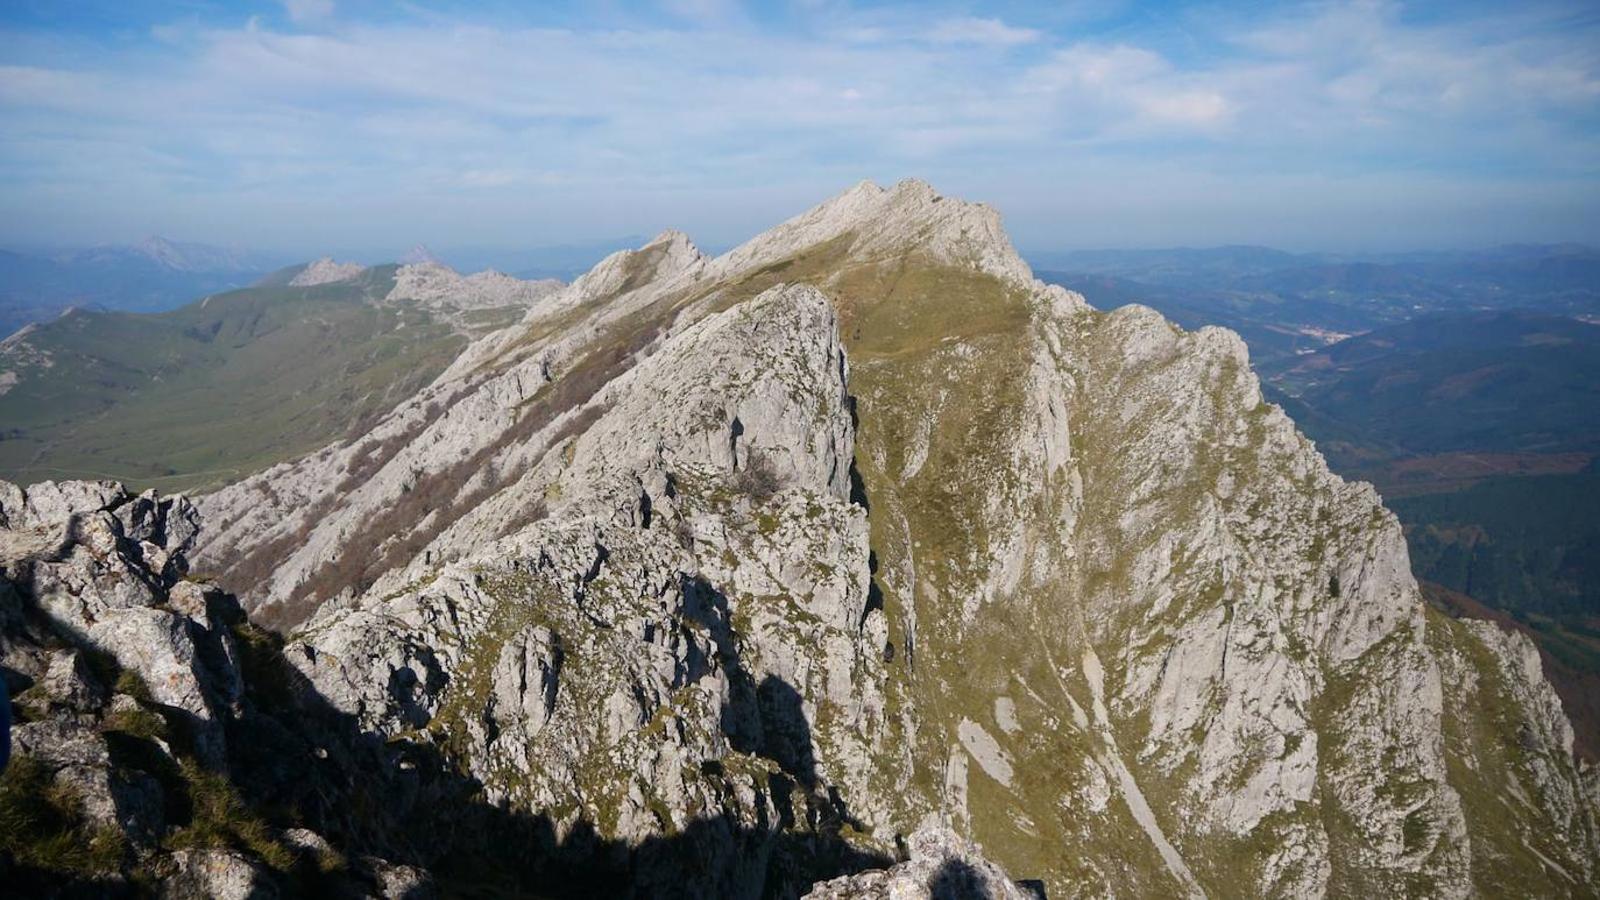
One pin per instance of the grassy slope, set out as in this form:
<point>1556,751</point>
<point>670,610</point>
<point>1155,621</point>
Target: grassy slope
<point>940,356</point>
<point>218,389</point>
<point>1493,769</point>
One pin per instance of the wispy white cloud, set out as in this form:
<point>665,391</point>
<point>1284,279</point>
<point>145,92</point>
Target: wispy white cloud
<point>302,11</point>
<point>1119,91</point>
<point>41,87</point>
<point>434,112</point>
<point>704,11</point>
<point>986,32</point>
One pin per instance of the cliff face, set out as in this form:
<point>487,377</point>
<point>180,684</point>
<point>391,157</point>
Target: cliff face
<point>156,743</point>
<point>765,560</point>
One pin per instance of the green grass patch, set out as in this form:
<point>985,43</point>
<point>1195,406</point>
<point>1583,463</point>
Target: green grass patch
<point>42,826</point>
<point>220,819</point>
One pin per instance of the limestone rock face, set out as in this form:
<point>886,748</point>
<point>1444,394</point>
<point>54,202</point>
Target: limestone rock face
<point>102,566</point>
<point>434,284</point>
<point>910,218</point>
<point>131,702</point>
<point>85,573</point>
<point>686,634</point>
<point>525,680</point>
<point>326,271</point>
<point>858,524</point>
<point>217,875</point>
<point>941,865</point>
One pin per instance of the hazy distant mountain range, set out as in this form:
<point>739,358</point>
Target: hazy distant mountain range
<point>1285,302</point>
<point>1521,264</point>
<point>157,274</point>
<point>1237,286</point>
<point>240,378</point>
<point>153,275</point>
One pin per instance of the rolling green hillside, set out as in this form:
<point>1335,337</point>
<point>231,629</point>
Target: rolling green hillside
<point>225,386</point>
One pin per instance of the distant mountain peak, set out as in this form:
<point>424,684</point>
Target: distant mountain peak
<point>674,241</point>
<point>436,284</point>
<point>910,217</point>
<point>186,256</point>
<point>176,256</point>
<point>156,245</point>
<point>326,271</point>
<point>418,255</point>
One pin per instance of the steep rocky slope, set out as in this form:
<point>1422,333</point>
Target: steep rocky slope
<point>154,746</point>
<point>764,560</point>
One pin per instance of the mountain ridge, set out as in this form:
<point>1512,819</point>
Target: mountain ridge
<point>1114,431</point>
<point>858,527</point>
<point>154,275</point>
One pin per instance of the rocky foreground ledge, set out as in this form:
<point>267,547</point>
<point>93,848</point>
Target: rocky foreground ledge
<point>145,745</point>
<point>940,865</point>
<point>163,745</point>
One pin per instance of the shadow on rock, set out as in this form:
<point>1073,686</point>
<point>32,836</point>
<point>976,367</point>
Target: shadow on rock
<point>231,765</point>
<point>403,800</point>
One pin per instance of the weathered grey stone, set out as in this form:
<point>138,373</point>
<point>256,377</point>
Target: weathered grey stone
<point>941,866</point>
<point>130,801</point>
<point>1139,626</point>
<point>61,742</point>
<point>217,875</point>
<point>436,285</point>
<point>326,271</point>
<point>70,682</point>
<point>399,882</point>
<point>526,678</point>
<point>50,502</point>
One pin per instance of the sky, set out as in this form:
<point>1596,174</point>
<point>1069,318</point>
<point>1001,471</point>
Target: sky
<point>365,126</point>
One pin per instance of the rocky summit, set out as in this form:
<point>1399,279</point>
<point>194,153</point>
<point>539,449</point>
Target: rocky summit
<point>853,562</point>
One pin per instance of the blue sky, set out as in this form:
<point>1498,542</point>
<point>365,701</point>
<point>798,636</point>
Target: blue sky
<point>363,126</point>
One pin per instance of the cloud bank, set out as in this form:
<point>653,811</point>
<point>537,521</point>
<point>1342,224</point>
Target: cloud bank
<point>316,124</point>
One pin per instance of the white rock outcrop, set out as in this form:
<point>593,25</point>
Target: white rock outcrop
<point>941,865</point>
<point>326,271</point>
<point>661,644</point>
<point>138,719</point>
<point>434,284</point>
